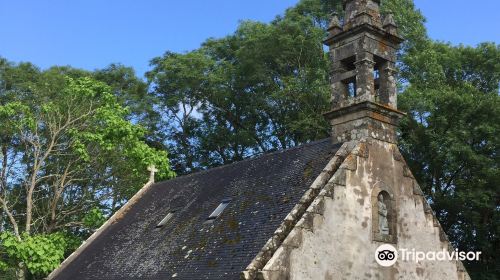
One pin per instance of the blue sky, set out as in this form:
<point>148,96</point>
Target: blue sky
<point>92,34</point>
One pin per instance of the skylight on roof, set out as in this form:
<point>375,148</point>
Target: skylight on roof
<point>216,213</point>
<point>166,219</point>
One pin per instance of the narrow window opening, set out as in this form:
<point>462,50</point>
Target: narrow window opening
<point>218,211</point>
<point>376,77</point>
<point>348,63</point>
<point>167,218</point>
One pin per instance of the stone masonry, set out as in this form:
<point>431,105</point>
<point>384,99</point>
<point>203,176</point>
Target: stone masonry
<point>364,99</point>
<point>336,237</point>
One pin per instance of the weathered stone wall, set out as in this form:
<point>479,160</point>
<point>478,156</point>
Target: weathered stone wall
<point>335,239</point>
<point>364,120</point>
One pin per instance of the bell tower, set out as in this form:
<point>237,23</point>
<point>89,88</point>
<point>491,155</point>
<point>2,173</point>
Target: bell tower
<point>364,96</point>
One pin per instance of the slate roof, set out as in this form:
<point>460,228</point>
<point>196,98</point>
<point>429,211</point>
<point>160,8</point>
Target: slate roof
<point>262,190</point>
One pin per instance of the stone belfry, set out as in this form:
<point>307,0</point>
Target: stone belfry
<point>364,97</point>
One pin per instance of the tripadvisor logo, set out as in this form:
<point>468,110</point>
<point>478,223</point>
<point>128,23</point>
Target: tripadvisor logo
<point>387,255</point>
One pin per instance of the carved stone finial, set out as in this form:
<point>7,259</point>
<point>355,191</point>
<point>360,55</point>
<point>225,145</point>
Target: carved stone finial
<point>152,170</point>
<point>361,12</point>
<point>390,24</point>
<point>335,27</point>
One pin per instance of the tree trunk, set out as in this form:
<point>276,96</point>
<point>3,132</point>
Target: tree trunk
<point>21,272</point>
<point>2,218</point>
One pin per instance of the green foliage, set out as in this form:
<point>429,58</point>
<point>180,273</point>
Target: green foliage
<point>3,265</point>
<point>77,154</point>
<point>437,64</point>
<point>259,89</point>
<point>40,253</point>
<point>451,143</point>
<point>110,131</point>
<point>94,218</point>
<point>230,99</point>
<point>410,22</point>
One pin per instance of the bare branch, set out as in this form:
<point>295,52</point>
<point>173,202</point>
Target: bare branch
<point>11,218</point>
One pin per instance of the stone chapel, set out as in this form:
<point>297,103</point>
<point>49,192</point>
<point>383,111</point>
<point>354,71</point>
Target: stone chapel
<point>319,211</point>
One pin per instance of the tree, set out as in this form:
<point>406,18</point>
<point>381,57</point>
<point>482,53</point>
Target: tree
<point>451,143</point>
<point>180,83</point>
<point>69,155</point>
<point>132,93</point>
<point>257,90</point>
<point>260,89</point>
